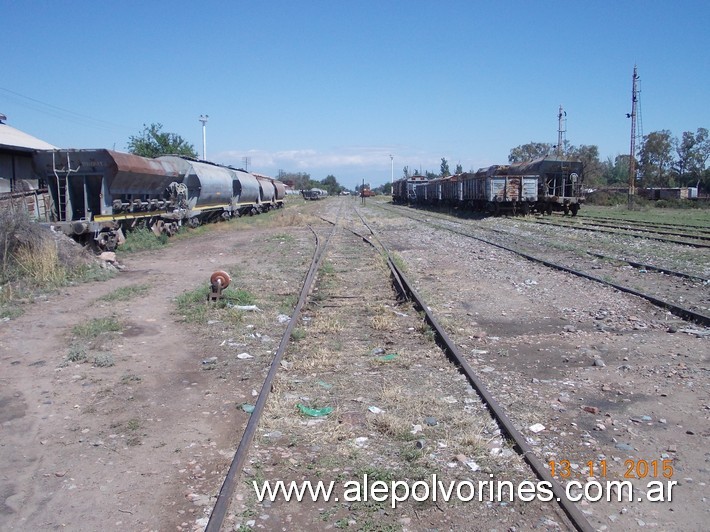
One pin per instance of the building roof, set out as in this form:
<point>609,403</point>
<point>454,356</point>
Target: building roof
<point>14,139</point>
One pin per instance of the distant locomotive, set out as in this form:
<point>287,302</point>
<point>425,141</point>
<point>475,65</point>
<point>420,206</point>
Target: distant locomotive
<point>542,185</point>
<point>96,195</point>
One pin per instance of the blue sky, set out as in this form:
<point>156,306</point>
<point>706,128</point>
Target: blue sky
<point>335,87</point>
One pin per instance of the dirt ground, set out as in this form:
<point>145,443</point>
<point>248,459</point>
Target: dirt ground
<point>143,444</point>
<point>86,447</point>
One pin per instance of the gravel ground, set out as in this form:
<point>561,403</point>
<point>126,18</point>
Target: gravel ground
<point>605,373</point>
<point>144,444</point>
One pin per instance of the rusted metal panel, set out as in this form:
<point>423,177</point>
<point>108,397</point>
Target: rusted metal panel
<point>133,174</point>
<point>502,189</point>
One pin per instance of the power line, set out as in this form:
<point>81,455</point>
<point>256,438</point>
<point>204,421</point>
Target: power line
<point>61,113</point>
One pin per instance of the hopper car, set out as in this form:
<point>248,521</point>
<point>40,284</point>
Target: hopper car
<point>96,195</point>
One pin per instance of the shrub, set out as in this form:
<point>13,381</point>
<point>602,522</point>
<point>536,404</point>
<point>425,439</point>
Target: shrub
<point>142,239</point>
<point>26,249</point>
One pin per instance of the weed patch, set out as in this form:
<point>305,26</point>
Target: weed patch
<point>126,293</point>
<point>194,307</point>
<point>141,240</point>
<point>95,328</point>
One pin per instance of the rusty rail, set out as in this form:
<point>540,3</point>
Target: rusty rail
<point>576,517</point>
<point>227,490</point>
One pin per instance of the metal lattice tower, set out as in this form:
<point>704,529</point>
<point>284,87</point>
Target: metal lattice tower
<point>561,130</point>
<point>632,151</point>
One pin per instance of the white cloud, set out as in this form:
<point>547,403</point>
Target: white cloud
<point>309,159</point>
<point>349,164</point>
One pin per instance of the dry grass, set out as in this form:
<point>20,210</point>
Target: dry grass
<point>318,359</point>
<point>384,319</point>
<point>282,414</point>
<point>40,264</point>
<point>325,324</point>
<point>405,407</point>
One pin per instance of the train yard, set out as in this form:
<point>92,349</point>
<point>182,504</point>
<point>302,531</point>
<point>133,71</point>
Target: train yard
<point>588,375</point>
<point>683,290</point>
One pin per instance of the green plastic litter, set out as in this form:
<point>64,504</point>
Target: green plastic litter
<point>248,408</point>
<point>324,385</point>
<point>387,358</point>
<point>314,412</point>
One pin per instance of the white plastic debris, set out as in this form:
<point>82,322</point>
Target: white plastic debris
<point>246,307</point>
<point>537,427</point>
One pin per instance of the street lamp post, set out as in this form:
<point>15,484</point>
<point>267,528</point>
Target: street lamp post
<point>203,119</point>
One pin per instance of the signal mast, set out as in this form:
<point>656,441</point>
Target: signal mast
<point>561,130</point>
<point>632,154</point>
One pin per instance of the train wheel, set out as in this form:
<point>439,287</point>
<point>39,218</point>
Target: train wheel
<point>566,209</point>
<point>106,241</point>
<point>526,208</point>
<point>548,209</point>
<point>575,209</point>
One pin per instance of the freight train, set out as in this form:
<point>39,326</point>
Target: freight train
<point>96,195</point>
<point>542,185</point>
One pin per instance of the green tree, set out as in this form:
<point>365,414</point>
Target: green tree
<point>693,151</point>
<point>297,180</point>
<point>330,183</point>
<point>459,169</point>
<point>592,167</point>
<point>444,168</point>
<point>152,142</point>
<point>656,159</point>
<point>616,172</point>
<point>528,152</point>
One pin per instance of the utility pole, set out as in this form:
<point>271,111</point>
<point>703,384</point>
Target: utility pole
<point>632,154</point>
<point>203,119</point>
<point>392,170</point>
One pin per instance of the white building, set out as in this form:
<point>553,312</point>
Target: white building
<point>16,149</point>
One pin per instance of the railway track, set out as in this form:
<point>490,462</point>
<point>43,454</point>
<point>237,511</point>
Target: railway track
<point>399,409</point>
<point>415,363</point>
<point>687,239</point>
<point>697,296</point>
<point>497,411</point>
<point>222,503</point>
<point>636,223</point>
